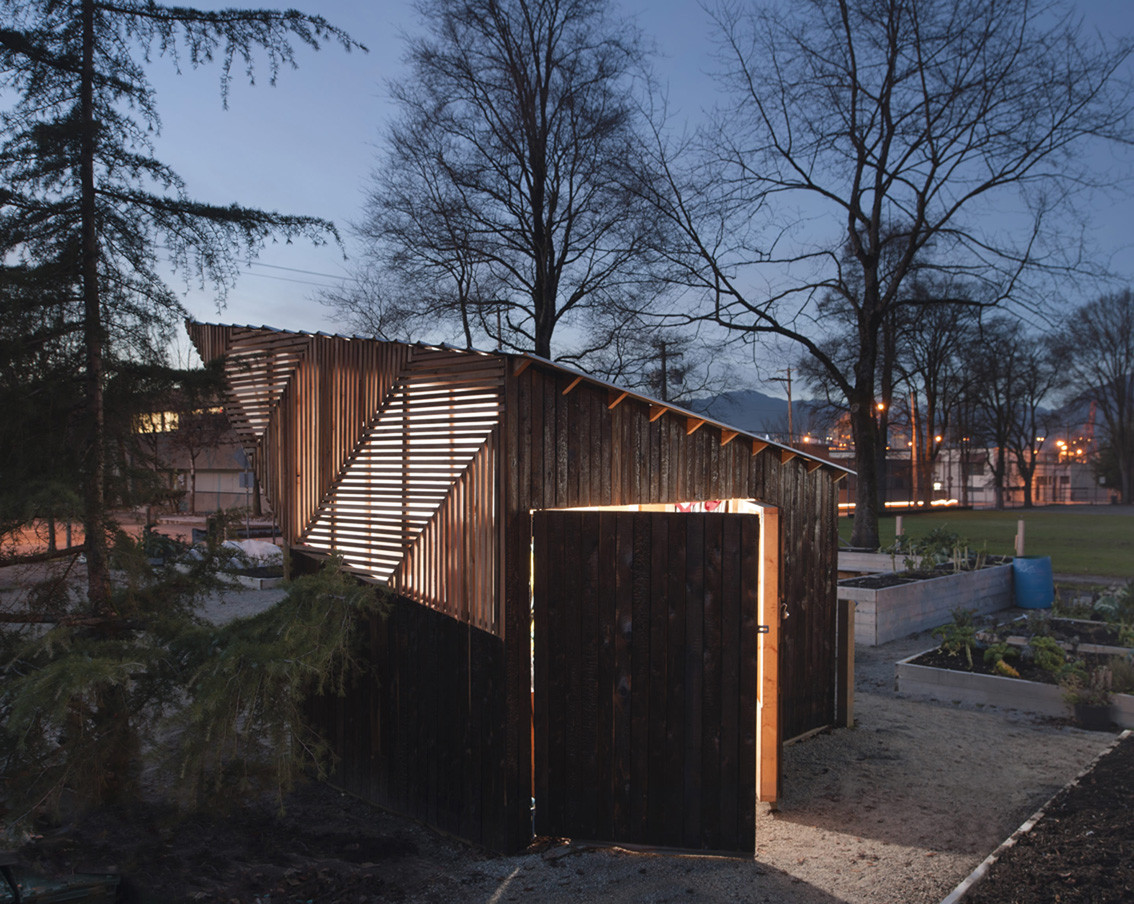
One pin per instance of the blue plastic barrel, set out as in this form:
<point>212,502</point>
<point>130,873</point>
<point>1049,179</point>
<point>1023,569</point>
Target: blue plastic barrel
<point>1032,582</point>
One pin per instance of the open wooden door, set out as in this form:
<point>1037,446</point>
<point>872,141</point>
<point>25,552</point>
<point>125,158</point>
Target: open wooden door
<point>646,684</point>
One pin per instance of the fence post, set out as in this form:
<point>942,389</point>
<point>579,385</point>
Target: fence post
<point>1020,538</point>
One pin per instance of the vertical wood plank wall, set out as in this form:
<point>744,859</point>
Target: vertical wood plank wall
<point>381,452</point>
<point>645,690</point>
<point>576,447</point>
<point>421,731</point>
<point>301,404</point>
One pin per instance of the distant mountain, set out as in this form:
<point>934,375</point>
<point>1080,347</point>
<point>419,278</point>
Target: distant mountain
<point>748,409</point>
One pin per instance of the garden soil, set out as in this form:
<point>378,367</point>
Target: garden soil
<point>1081,851</point>
<point>900,809</point>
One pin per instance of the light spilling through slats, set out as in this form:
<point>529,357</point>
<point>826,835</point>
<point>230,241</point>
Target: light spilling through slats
<point>409,470</point>
<point>258,369</point>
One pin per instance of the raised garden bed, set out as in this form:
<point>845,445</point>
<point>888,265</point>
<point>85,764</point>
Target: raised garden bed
<point>1073,634</point>
<point>889,606</point>
<point>262,577</point>
<point>1075,851</point>
<point>936,675</point>
<point>854,562</point>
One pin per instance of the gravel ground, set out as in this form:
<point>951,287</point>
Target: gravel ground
<point>898,809</point>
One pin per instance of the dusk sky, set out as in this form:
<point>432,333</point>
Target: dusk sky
<point>308,145</point>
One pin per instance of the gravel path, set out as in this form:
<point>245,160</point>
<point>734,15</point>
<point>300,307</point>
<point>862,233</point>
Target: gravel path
<point>899,809</point>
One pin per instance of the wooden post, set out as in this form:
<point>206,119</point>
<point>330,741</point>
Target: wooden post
<point>844,705</point>
<point>898,527</point>
<point>1020,537</point>
<point>768,661</point>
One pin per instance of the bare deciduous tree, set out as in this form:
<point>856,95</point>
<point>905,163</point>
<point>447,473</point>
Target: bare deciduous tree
<point>860,137</point>
<point>1013,374</point>
<point>1097,349</point>
<point>500,211</point>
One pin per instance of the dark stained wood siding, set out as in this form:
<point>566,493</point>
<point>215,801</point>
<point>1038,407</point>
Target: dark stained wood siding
<point>304,406</point>
<point>623,457</point>
<point>645,723</point>
<point>421,730</point>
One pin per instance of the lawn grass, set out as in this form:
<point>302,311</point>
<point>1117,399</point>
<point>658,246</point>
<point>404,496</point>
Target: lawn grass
<point>1079,542</point>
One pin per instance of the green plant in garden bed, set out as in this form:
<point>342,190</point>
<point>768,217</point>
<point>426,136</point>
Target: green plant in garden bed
<point>1122,674</point>
<point>1092,687</point>
<point>959,636</point>
<point>998,654</point>
<point>1113,605</point>
<point>936,549</point>
<point>1116,606</point>
<point>1047,653</point>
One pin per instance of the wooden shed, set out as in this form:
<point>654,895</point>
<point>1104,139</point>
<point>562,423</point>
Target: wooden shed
<point>608,608</point>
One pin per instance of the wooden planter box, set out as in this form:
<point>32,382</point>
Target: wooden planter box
<point>887,613</point>
<point>257,583</point>
<point>1098,649</point>
<point>855,563</point>
<point>949,686</point>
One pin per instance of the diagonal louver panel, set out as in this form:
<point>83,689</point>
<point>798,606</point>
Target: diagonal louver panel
<point>316,426</point>
<point>259,366</point>
<point>434,422</point>
<point>452,565</point>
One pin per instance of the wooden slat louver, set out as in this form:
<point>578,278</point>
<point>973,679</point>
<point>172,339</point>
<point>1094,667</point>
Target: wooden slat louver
<point>259,367</point>
<point>412,466</point>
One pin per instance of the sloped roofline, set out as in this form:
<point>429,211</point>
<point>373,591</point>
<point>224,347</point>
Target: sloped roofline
<point>527,359</point>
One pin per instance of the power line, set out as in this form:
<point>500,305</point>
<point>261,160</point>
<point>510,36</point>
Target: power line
<point>253,263</point>
<point>249,264</point>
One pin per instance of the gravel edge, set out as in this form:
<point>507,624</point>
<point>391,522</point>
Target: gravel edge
<point>966,884</point>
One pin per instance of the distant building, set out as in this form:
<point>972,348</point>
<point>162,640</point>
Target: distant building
<point>1061,477</point>
<point>200,461</point>
<point>222,479</point>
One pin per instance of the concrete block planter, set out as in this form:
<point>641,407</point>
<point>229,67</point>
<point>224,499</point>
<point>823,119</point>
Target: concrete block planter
<point>886,613</point>
<point>950,686</point>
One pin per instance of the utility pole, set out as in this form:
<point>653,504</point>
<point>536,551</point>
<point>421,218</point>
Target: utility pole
<point>787,381</point>
<point>915,482</point>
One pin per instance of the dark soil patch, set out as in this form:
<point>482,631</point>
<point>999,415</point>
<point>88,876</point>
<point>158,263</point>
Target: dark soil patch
<point>1070,631</point>
<point>1028,670</point>
<point>1081,851</point>
<point>892,579</point>
<point>327,847</point>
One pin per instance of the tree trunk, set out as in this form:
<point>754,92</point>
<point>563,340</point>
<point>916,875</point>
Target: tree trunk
<point>94,477</point>
<point>864,533</point>
<point>1027,471</point>
<point>1000,476</point>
